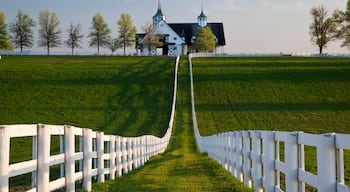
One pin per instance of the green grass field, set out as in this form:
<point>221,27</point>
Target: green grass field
<point>128,96</point>
<point>286,94</point>
<point>182,167</point>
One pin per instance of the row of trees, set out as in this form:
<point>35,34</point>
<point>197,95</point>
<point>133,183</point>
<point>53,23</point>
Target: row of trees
<point>21,33</point>
<point>326,28</point>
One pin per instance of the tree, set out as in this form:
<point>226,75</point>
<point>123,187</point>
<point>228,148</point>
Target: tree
<point>99,34</point>
<point>21,30</point>
<point>74,37</point>
<point>343,32</point>
<point>49,32</point>
<point>205,40</point>
<point>322,28</point>
<point>152,37</point>
<point>127,31</point>
<point>4,42</point>
<point>113,45</point>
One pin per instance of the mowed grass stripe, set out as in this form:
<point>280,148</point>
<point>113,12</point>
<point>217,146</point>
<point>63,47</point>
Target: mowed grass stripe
<point>181,167</point>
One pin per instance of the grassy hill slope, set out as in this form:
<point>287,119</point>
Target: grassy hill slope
<point>128,96</point>
<point>288,94</point>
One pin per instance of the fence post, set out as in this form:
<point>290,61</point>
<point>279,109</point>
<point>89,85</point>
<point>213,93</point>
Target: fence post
<point>256,160</point>
<point>4,159</point>
<point>136,152</point>
<point>61,151</point>
<point>326,163</point>
<point>142,151</point>
<point>100,160</point>
<point>87,160</point>
<point>119,156</point>
<point>34,155</point>
<point>112,156</point>
<point>69,149</point>
<point>124,155</point>
<point>130,154</point>
<point>43,160</point>
<point>233,156</point>
<point>81,140</point>
<point>247,159</point>
<point>301,162</point>
<point>239,158</point>
<point>291,161</point>
<point>268,158</point>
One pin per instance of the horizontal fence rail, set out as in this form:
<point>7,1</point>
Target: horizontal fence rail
<point>253,157</point>
<point>95,154</point>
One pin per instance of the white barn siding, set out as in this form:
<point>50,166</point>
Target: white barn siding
<point>165,29</point>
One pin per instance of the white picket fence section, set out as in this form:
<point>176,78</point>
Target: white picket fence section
<point>253,157</point>
<point>99,155</point>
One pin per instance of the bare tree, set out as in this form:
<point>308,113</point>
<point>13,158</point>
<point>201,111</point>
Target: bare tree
<point>127,31</point>
<point>49,32</point>
<point>4,42</point>
<point>74,37</point>
<point>114,44</point>
<point>21,30</point>
<point>322,28</point>
<point>99,34</point>
<point>152,37</point>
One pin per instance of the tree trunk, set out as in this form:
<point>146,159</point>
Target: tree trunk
<point>48,49</point>
<point>72,50</point>
<point>98,48</point>
<point>124,45</point>
<point>321,49</point>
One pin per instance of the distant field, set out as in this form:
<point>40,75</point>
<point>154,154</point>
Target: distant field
<point>286,94</point>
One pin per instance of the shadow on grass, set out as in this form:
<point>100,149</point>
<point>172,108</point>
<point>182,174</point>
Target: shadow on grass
<point>320,106</point>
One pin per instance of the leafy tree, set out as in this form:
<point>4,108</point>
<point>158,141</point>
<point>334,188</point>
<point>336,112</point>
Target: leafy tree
<point>205,40</point>
<point>152,37</point>
<point>49,32</point>
<point>74,37</point>
<point>99,34</point>
<point>21,30</point>
<point>127,31</point>
<point>322,28</point>
<point>343,20</point>
<point>4,42</point>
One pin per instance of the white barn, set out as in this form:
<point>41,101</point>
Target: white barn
<point>178,37</point>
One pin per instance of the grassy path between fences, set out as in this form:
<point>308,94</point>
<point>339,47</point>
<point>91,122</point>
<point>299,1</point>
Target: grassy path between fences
<point>182,167</point>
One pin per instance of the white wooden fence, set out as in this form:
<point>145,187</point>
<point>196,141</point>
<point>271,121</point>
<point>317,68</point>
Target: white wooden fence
<point>253,157</point>
<point>98,156</point>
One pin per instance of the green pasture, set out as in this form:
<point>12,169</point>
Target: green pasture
<point>127,96</point>
<point>182,167</point>
<point>285,94</point>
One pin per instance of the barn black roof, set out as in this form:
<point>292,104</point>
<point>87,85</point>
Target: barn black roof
<point>188,30</point>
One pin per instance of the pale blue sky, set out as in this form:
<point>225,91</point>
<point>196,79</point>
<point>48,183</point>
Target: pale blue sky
<point>251,26</point>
